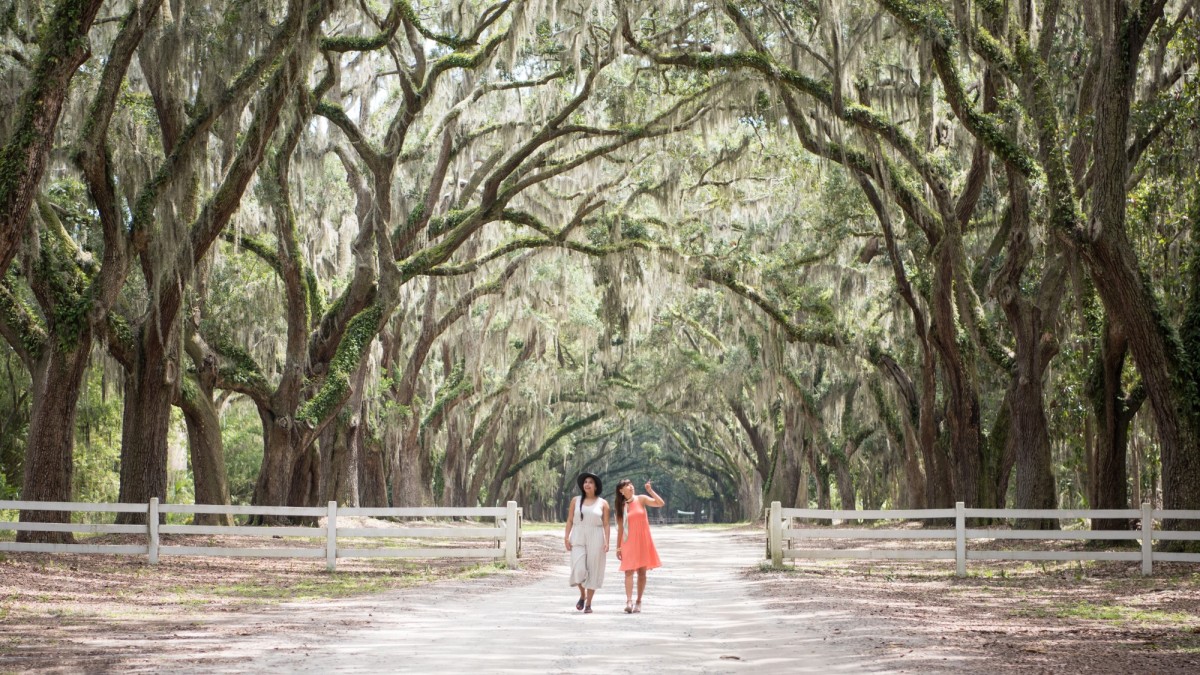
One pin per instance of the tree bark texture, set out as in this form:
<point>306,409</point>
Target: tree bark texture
<point>150,388</point>
<point>962,408</point>
<point>283,442</point>
<point>1112,262</point>
<point>845,482</point>
<point>339,462</point>
<point>409,486</point>
<point>1110,478</point>
<point>372,476</point>
<point>49,455</point>
<point>1028,439</point>
<point>207,452</point>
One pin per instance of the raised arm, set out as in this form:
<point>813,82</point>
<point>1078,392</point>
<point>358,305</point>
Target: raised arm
<point>651,497</point>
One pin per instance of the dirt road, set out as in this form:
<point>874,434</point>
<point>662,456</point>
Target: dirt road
<point>700,615</point>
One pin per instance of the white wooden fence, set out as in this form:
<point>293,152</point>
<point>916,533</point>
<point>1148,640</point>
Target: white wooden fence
<point>778,531</point>
<point>505,533</point>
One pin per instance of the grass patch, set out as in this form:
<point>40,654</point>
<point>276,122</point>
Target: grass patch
<point>1121,613</point>
<point>328,586</point>
<point>333,586</point>
<point>765,566</point>
<point>1108,612</point>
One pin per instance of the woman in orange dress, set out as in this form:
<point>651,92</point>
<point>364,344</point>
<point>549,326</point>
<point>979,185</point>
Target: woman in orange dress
<point>635,548</point>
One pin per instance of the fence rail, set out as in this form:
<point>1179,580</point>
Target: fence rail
<point>506,533</point>
<point>779,533</point>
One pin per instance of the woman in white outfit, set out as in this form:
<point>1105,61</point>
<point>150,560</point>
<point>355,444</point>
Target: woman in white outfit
<point>587,539</point>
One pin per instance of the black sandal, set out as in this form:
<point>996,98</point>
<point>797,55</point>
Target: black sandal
<point>579,605</point>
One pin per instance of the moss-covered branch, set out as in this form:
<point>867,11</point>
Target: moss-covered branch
<point>928,21</point>
<point>826,335</point>
<point>357,339</point>
<point>21,325</point>
<point>191,139</point>
<point>344,43</point>
<point>242,373</point>
<point>454,390</point>
<point>63,47</point>
<point>553,438</point>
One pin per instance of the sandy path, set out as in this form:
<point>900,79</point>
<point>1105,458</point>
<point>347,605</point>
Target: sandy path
<point>699,616</point>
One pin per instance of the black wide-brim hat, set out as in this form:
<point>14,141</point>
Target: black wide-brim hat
<point>588,474</point>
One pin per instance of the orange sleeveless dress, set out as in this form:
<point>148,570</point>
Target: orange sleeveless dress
<point>637,551</point>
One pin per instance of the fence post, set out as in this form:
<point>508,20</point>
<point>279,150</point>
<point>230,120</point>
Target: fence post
<point>152,530</point>
<point>331,537</point>
<point>775,533</point>
<point>960,539</point>
<point>1147,540</point>
<point>510,536</point>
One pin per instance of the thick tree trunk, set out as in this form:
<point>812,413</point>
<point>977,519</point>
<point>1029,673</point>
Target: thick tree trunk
<point>409,487</point>
<point>1109,481</point>
<point>510,447</point>
<point>305,488</point>
<point>939,486</point>
<point>914,477</point>
<point>802,496</point>
<point>1029,442</point>
<point>278,463</point>
<point>845,482</point>
<point>1114,267</point>
<point>789,477</point>
<point>372,475</point>
<point>207,452</point>
<point>340,462</point>
<point>149,392</point>
<point>1028,439</point>
<point>340,451</point>
<point>750,499</point>
<point>456,477</point>
<point>821,474</point>
<point>49,455</point>
<point>963,420</point>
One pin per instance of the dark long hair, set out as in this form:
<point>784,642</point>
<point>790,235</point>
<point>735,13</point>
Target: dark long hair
<point>620,498</point>
<point>583,494</point>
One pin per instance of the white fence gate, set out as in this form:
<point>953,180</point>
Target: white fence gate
<point>505,533</point>
<point>778,531</point>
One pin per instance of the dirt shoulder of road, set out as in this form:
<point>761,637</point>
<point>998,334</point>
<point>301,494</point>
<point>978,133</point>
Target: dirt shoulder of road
<point>74,612</point>
<point>1095,617</point>
<point>69,613</point>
